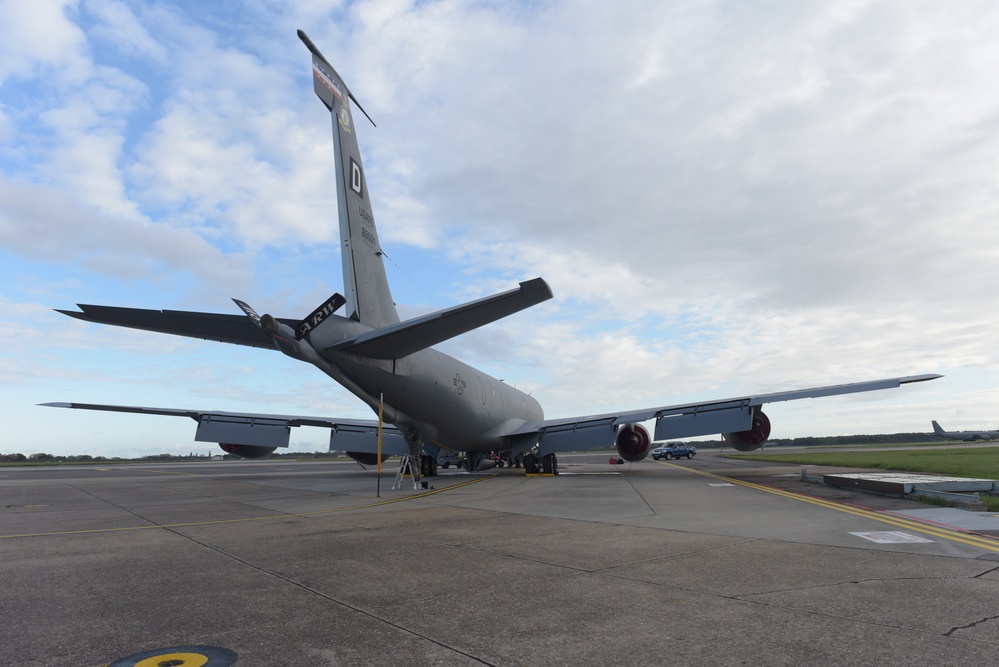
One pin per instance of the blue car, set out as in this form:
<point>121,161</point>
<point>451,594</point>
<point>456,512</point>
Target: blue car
<point>674,450</point>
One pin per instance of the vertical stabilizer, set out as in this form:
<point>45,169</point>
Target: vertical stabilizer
<point>365,284</point>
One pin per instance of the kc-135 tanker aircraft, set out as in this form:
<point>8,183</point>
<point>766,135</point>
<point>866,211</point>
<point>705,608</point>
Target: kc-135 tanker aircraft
<point>967,436</point>
<point>427,400</point>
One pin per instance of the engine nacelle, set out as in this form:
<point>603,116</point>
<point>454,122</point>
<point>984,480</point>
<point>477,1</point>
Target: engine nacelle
<point>747,441</point>
<point>632,442</point>
<point>367,458</point>
<point>246,451</point>
<point>478,462</point>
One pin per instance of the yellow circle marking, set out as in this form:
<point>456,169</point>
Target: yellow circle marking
<point>174,660</point>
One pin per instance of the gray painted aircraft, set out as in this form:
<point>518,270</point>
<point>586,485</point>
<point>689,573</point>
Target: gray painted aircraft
<point>427,400</point>
<point>968,436</point>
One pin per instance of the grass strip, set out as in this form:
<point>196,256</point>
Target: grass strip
<point>977,462</point>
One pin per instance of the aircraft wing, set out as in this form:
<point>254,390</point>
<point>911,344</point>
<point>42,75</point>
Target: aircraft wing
<point>399,340</point>
<point>266,430</point>
<point>220,327</point>
<point>727,415</point>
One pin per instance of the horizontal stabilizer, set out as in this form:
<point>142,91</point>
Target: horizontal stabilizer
<point>399,340</point>
<point>223,328</point>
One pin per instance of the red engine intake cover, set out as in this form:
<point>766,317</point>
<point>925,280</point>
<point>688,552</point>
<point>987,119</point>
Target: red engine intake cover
<point>632,442</point>
<point>747,441</point>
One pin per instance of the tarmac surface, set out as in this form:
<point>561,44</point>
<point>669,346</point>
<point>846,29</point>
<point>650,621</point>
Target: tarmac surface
<point>708,561</point>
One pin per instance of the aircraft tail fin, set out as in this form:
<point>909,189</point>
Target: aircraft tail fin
<point>936,428</point>
<point>366,288</point>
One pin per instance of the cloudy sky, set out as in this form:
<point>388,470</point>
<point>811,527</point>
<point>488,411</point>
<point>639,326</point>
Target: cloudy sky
<point>726,198</point>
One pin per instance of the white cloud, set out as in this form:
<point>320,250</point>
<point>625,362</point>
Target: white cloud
<point>6,127</point>
<point>41,35</point>
<point>119,26</point>
<point>45,224</point>
<point>841,178</point>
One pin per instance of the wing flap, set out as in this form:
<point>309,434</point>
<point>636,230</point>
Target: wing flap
<point>399,340</point>
<point>360,438</point>
<point>243,430</point>
<point>704,422</point>
<point>597,434</point>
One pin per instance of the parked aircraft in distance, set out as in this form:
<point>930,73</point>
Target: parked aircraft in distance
<point>427,399</point>
<point>963,435</point>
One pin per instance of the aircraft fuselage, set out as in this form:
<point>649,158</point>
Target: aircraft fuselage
<point>451,404</point>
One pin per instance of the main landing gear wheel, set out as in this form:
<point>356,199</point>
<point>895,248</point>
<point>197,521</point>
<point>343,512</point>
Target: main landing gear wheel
<point>428,465</point>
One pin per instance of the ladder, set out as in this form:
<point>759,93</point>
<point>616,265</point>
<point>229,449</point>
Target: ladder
<point>406,467</point>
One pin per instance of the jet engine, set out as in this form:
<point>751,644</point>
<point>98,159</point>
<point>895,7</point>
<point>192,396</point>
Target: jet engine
<point>367,458</point>
<point>246,451</point>
<point>632,442</point>
<point>747,441</point>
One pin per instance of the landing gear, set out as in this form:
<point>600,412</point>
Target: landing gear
<point>548,464</point>
<point>505,459</point>
<point>428,465</point>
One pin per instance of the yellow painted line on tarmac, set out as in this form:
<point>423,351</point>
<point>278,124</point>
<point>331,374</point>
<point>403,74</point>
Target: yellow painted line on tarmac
<point>191,524</point>
<point>909,524</point>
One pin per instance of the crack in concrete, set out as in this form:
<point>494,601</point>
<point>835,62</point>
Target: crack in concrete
<point>970,625</point>
<point>306,587</point>
<point>982,574</point>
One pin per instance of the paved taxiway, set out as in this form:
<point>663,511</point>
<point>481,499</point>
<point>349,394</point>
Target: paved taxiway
<point>298,563</point>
